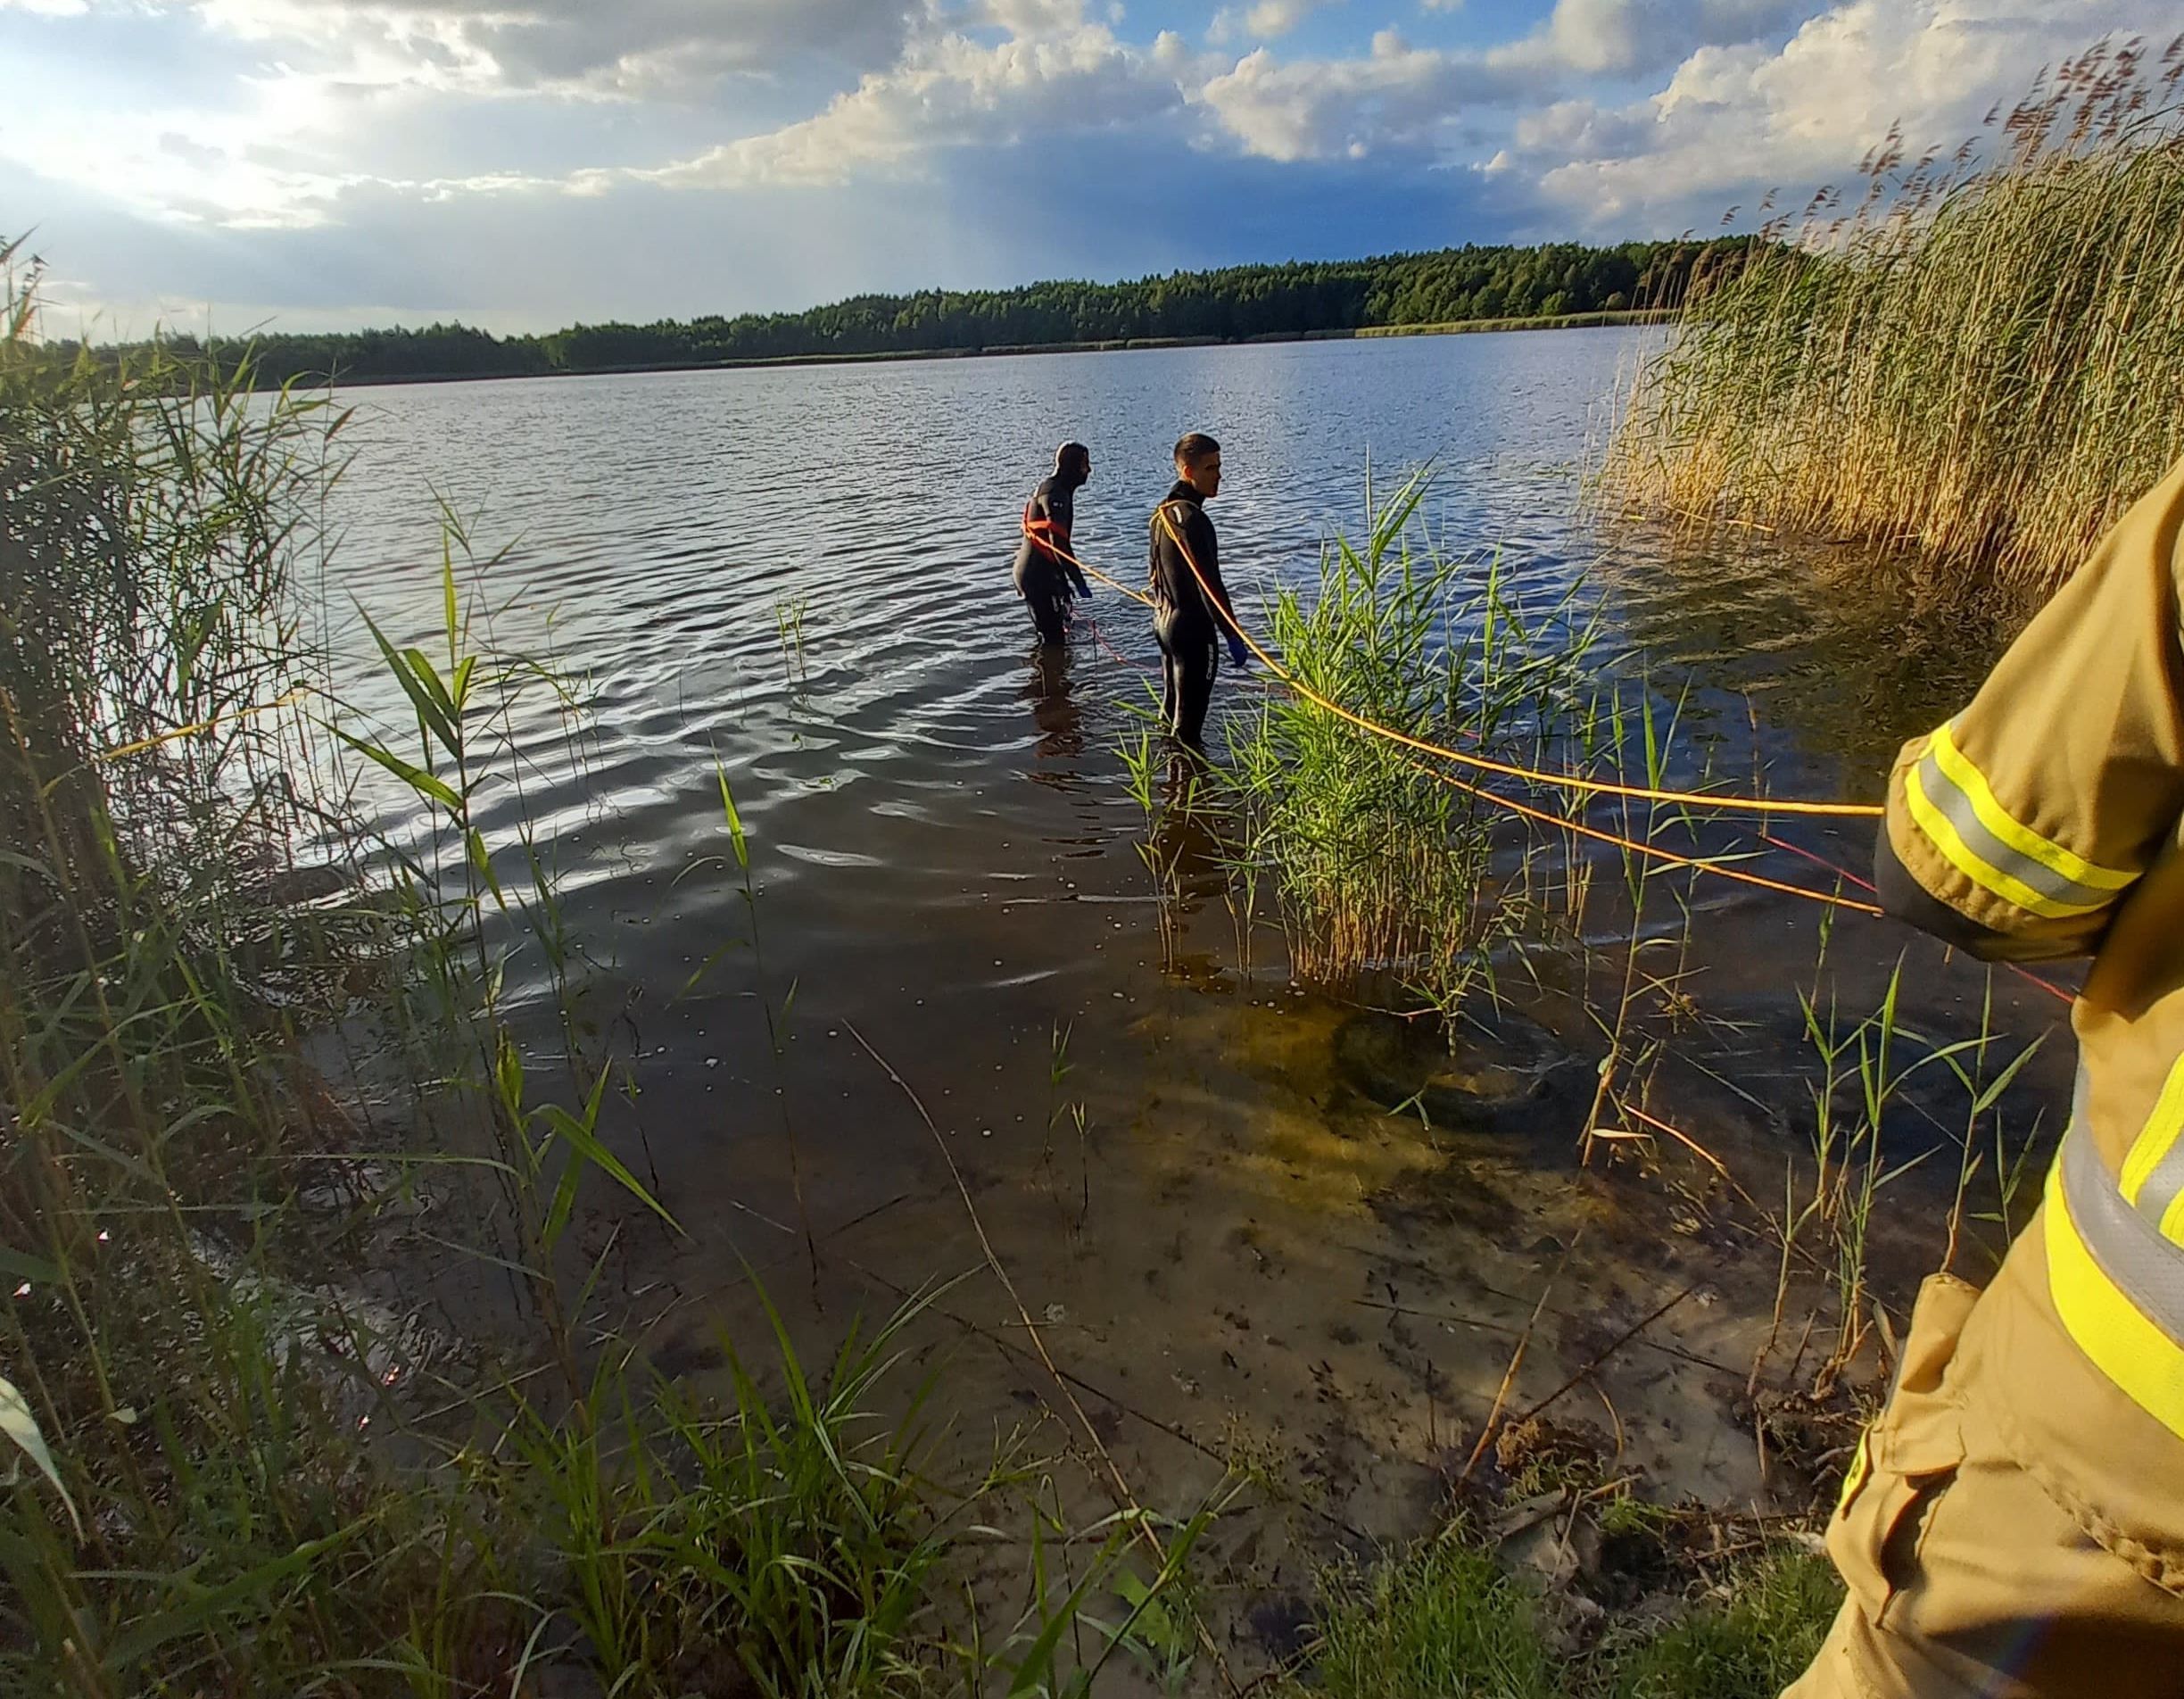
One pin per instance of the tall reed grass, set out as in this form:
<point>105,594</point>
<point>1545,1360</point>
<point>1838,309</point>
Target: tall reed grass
<point>1378,866</point>
<point>1978,356</point>
<point>229,1460</point>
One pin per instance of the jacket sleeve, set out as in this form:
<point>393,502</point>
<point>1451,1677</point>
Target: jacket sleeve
<point>2027,817</point>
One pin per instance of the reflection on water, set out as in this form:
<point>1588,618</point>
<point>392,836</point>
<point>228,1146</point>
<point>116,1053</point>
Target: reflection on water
<point>946,853</point>
<point>1187,838</point>
<point>1847,652</point>
<point>1054,711</point>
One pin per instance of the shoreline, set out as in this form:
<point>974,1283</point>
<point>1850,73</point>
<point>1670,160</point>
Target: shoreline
<point>1453,327</point>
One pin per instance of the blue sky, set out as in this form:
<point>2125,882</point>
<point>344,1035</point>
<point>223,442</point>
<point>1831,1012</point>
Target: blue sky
<point>526,163</point>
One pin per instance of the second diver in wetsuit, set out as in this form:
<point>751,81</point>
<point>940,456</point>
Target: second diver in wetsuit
<point>1184,612</point>
<point>1046,576</point>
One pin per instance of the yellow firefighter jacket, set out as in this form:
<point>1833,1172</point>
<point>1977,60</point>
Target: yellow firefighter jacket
<point>2050,813</point>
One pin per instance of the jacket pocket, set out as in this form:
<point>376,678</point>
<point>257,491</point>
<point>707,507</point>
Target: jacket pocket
<point>1908,1457</point>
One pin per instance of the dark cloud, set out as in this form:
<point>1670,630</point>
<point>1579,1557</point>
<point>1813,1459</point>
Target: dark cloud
<point>637,44</point>
<point>978,142</point>
<point>632,47</point>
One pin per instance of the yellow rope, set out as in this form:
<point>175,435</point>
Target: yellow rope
<point>1567,781</point>
<point>122,751</point>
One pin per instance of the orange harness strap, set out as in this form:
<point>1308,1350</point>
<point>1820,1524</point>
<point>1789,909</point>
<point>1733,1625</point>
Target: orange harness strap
<point>1050,534</point>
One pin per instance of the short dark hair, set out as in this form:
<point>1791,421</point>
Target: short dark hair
<point>1071,454</point>
<point>1194,448</point>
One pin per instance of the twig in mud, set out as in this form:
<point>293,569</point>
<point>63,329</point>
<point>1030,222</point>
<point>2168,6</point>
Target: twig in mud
<point>1676,1351</point>
<point>1126,1500</point>
<point>1686,1141</point>
<point>1614,1415</point>
<point>1804,1339</point>
<point>1621,1340</point>
<point>1509,1375</point>
<point>708,1293</point>
<point>1437,1315</point>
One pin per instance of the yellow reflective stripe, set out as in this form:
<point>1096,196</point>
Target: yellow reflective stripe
<point>2172,1220</point>
<point>2123,1344</point>
<point>1967,778</point>
<point>1861,1466</point>
<point>2157,1138</point>
<point>1941,832</point>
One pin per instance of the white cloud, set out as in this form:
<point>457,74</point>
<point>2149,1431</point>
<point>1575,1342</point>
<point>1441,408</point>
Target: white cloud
<point>1733,120</point>
<point>1617,37</point>
<point>1053,72</point>
<point>1330,108</point>
<point>1578,129</point>
<point>355,120</point>
<point>1029,20</point>
<point>1267,20</point>
<point>1400,95</point>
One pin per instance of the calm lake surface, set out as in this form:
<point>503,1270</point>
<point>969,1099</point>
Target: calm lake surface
<point>945,851</point>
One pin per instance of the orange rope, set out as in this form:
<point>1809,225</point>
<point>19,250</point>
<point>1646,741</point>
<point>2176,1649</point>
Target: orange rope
<point>1545,816</point>
<point>1668,857</point>
<point>2024,974</point>
<point>1061,553</point>
<point>1570,781</point>
<point>1541,815</point>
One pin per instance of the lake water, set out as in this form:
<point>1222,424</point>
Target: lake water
<point>945,856</point>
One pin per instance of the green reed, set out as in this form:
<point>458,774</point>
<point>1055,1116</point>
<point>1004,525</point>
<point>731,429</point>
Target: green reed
<point>1865,1068</point>
<point>1378,864</point>
<point>1975,358</point>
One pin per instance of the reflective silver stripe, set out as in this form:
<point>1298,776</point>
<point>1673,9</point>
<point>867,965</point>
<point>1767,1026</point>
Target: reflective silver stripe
<point>1954,806</point>
<point>2163,1185</point>
<point>2138,1262</point>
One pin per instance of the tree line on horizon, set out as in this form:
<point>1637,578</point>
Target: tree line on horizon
<point>1453,286</point>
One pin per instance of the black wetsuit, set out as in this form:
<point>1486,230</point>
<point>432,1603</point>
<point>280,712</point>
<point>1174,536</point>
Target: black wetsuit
<point>1189,631</point>
<point>1043,577</point>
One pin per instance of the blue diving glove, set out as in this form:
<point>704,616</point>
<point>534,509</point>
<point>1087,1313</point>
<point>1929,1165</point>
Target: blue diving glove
<point>1238,656</point>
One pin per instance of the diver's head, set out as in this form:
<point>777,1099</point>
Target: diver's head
<point>1198,463</point>
<point>1073,461</point>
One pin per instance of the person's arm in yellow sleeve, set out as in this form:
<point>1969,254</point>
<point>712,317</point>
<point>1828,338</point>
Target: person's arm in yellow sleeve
<point>2015,829</point>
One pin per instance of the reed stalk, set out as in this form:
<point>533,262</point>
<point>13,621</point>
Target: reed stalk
<point>1976,357</point>
<point>244,1467</point>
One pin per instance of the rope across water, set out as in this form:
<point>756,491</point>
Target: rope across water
<point>1567,781</point>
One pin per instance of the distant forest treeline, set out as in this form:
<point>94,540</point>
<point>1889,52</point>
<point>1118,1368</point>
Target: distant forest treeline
<point>1451,287</point>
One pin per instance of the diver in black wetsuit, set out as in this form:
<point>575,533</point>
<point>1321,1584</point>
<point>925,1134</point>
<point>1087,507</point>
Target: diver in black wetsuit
<point>1183,618</point>
<point>1045,578</point>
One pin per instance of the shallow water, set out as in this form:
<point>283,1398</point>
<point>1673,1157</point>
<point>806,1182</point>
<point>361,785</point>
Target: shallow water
<point>946,872</point>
